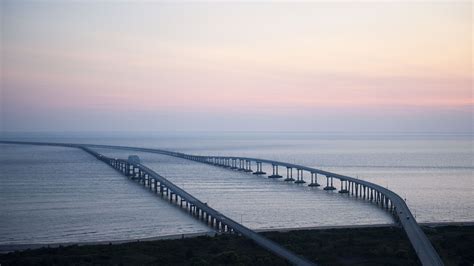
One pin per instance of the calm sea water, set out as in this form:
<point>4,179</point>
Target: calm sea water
<point>61,195</point>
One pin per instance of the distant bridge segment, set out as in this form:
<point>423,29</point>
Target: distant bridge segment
<point>350,185</point>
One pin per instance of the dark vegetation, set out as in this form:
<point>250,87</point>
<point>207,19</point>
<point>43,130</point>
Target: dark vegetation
<point>356,246</point>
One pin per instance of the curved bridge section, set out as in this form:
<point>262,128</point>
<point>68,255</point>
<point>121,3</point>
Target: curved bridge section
<point>384,197</point>
<point>360,188</point>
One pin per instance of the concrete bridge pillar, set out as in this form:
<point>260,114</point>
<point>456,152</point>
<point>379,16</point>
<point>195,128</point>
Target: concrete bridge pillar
<point>344,187</point>
<point>275,172</point>
<point>248,168</point>
<point>289,174</point>
<point>233,164</point>
<point>329,186</point>
<point>127,170</point>
<point>299,177</point>
<point>314,180</point>
<point>259,169</point>
<point>241,165</point>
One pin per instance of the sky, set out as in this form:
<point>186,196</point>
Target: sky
<point>395,66</point>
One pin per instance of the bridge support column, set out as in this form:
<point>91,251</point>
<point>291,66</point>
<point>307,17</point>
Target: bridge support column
<point>329,186</point>
<point>289,174</point>
<point>234,164</point>
<point>344,189</point>
<point>299,177</point>
<point>248,168</point>
<point>275,172</point>
<point>259,169</point>
<point>241,165</point>
<point>313,182</point>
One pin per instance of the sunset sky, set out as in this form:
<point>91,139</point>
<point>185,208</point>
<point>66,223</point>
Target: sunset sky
<point>340,66</point>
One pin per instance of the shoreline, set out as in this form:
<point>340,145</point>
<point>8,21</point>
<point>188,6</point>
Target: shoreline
<point>8,248</point>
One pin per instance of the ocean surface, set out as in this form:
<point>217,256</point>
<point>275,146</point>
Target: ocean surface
<point>57,195</point>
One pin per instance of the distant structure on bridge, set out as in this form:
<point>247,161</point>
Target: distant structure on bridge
<point>133,159</point>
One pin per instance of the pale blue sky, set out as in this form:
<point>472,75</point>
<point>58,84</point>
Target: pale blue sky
<point>359,66</point>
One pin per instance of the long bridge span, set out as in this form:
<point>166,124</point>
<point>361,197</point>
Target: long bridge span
<point>197,208</point>
<point>384,197</point>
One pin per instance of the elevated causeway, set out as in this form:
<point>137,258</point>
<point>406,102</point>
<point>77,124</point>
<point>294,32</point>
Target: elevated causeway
<point>201,211</point>
<point>384,197</point>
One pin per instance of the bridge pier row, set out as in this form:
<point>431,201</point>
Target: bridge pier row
<point>314,180</point>
<point>289,174</point>
<point>299,177</point>
<point>259,169</point>
<point>275,172</point>
<point>233,163</point>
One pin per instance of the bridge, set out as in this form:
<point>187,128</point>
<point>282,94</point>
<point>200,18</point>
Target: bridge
<point>384,197</point>
<point>195,207</point>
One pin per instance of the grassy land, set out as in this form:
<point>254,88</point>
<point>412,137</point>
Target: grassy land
<point>355,246</point>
